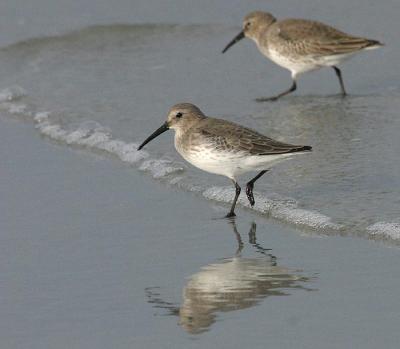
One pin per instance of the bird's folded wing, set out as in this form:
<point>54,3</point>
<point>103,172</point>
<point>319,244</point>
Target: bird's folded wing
<point>316,38</point>
<point>230,137</point>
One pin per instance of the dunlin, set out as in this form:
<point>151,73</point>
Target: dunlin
<point>300,45</point>
<point>223,147</point>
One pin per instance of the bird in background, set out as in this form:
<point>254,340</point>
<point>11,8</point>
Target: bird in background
<point>223,147</point>
<point>300,45</point>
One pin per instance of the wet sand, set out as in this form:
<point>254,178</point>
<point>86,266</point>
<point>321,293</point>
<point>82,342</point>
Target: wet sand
<point>100,248</point>
<point>96,254</point>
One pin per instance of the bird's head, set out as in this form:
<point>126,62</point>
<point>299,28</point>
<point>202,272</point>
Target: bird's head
<point>254,24</point>
<point>180,118</point>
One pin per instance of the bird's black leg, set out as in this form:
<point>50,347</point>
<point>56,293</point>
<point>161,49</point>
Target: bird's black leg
<point>231,213</point>
<point>238,237</point>
<point>250,186</point>
<point>259,248</point>
<point>339,75</point>
<point>275,98</point>
<point>252,233</point>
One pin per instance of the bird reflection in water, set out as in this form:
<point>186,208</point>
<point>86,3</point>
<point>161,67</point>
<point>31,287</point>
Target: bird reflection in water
<point>229,284</point>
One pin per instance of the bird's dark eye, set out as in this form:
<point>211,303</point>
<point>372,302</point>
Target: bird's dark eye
<point>179,115</point>
<point>247,24</point>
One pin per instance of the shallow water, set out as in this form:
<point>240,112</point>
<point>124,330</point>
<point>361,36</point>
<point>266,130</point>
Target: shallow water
<point>105,246</point>
<point>94,254</point>
<point>119,80</point>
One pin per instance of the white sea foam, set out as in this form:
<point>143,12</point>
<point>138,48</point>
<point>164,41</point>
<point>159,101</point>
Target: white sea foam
<point>9,102</point>
<point>41,116</point>
<point>15,108</point>
<point>385,230</point>
<point>94,136</point>
<point>11,93</point>
<point>18,108</point>
<point>160,167</point>
<point>278,207</point>
<point>91,135</point>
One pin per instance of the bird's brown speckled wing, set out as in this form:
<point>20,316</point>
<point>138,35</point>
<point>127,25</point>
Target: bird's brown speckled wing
<point>315,38</point>
<point>230,137</point>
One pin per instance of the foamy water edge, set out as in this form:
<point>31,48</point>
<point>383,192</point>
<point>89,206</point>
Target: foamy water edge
<point>94,137</point>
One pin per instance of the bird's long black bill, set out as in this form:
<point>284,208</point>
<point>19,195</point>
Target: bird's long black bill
<point>237,38</point>
<point>155,134</point>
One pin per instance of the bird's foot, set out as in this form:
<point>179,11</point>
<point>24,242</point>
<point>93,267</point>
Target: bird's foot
<point>267,99</point>
<point>230,214</point>
<point>249,193</point>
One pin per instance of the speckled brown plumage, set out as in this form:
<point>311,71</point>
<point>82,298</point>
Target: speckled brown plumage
<point>223,147</point>
<point>304,37</point>
<point>301,45</point>
<point>226,136</point>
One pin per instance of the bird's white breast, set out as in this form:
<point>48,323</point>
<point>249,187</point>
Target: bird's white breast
<point>230,164</point>
<point>222,163</point>
<point>296,64</point>
<point>302,64</point>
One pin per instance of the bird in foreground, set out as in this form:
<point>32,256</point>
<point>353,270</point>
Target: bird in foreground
<point>223,147</point>
<point>300,45</point>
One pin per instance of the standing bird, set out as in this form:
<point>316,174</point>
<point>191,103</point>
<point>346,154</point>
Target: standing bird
<point>223,147</point>
<point>300,45</point>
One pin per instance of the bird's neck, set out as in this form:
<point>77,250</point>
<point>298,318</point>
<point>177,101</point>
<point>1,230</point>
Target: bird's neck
<point>184,131</point>
<point>179,141</point>
<point>260,36</point>
<point>179,133</point>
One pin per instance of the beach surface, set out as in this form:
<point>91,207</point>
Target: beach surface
<point>104,246</point>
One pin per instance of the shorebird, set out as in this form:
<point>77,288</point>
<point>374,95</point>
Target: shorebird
<point>300,45</point>
<point>223,147</point>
